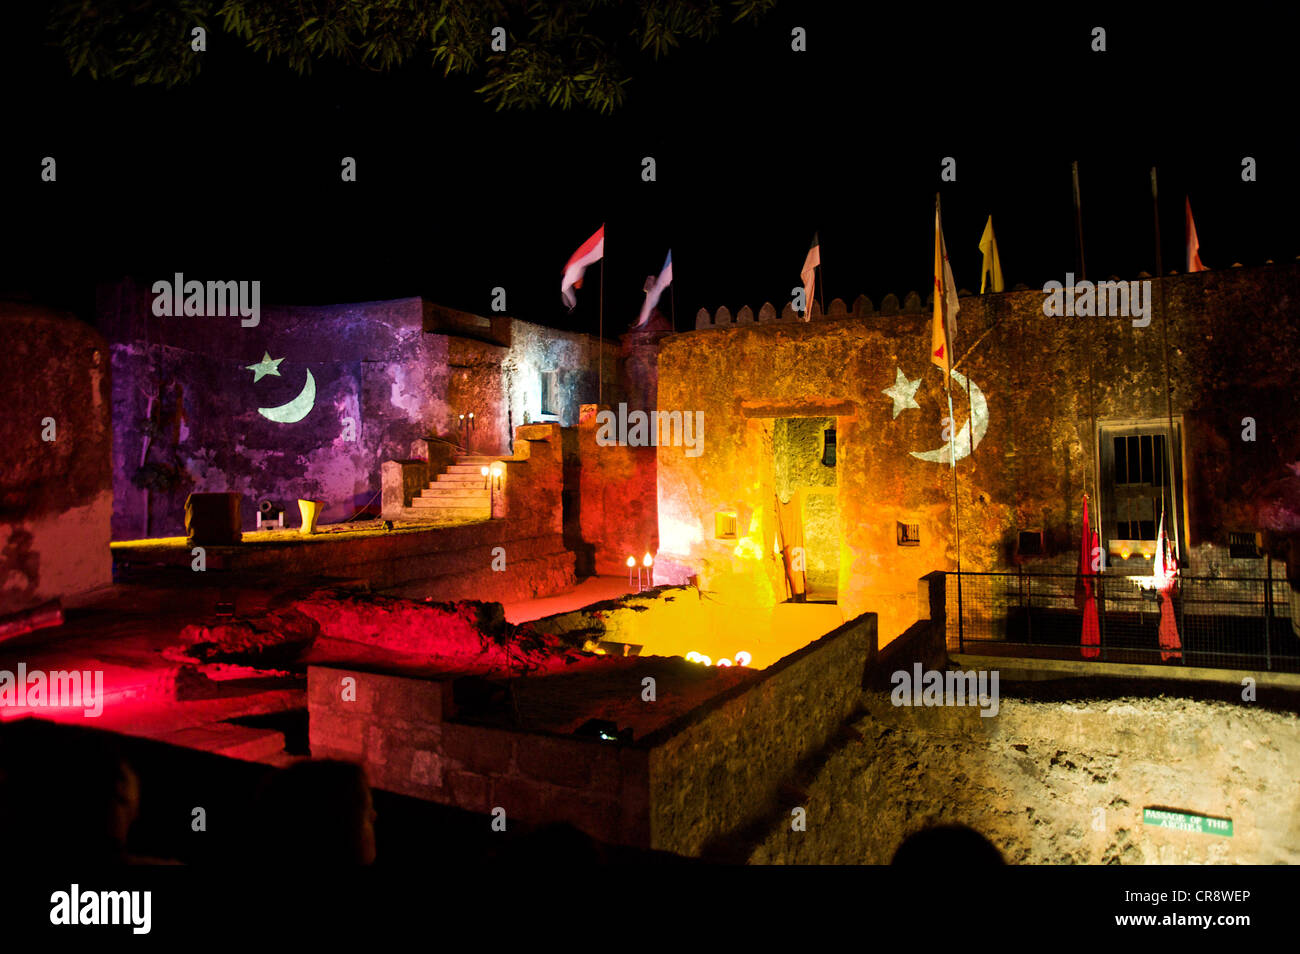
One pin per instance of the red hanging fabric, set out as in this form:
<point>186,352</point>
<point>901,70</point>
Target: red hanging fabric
<point>1084,598</point>
<point>1165,573</point>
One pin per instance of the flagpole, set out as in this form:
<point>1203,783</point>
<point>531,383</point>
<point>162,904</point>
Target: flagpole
<point>1164,347</point>
<point>1092,406</point>
<point>822,267</point>
<point>941,299</point>
<point>1078,221</point>
<point>600,386</point>
<point>672,299</point>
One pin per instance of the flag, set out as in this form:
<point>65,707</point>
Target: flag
<point>1194,263</point>
<point>1164,574</point>
<point>945,304</point>
<point>589,251</point>
<point>809,275</point>
<point>992,264</point>
<point>1084,598</point>
<point>653,291</point>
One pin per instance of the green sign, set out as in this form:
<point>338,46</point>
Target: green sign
<point>1186,821</point>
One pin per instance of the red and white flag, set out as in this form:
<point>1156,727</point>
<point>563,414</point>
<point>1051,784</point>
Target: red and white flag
<point>1194,263</point>
<point>592,250</point>
<point>654,289</point>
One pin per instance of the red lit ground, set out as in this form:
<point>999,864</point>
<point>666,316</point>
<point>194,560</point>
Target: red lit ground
<point>131,633</point>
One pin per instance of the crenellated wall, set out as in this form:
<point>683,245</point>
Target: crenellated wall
<point>1044,384</point>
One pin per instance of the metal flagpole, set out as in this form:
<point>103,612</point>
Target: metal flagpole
<point>822,268</point>
<point>600,386</point>
<point>672,299</point>
<point>1092,406</point>
<point>1078,221</point>
<point>941,298</point>
<point>1164,347</point>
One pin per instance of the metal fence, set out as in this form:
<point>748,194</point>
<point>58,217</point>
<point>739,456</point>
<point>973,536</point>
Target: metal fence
<point>1226,623</point>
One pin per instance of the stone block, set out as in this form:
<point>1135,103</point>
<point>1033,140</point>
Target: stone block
<point>486,751</point>
<point>557,761</point>
<point>522,799</point>
<point>337,733</point>
<point>469,791</point>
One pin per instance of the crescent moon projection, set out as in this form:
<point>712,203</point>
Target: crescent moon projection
<point>296,409</point>
<point>962,443</point>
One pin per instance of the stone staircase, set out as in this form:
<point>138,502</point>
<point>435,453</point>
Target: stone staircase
<point>458,492</point>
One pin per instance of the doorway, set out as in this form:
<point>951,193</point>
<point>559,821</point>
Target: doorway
<point>804,458</point>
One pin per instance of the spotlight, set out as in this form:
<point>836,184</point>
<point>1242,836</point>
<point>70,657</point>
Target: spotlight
<point>604,730</point>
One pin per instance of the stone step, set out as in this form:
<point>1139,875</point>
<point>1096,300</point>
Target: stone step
<point>477,460</point>
<point>474,478</point>
<point>452,503</point>
<point>465,514</point>
<point>233,741</point>
<point>476,469</point>
<point>456,490</point>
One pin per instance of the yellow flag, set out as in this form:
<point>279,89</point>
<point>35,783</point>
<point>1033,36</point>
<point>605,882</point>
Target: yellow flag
<point>944,327</point>
<point>989,246</point>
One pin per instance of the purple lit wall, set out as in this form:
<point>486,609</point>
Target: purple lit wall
<point>203,404</point>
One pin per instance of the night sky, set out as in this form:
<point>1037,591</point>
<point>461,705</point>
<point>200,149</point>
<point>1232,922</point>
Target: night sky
<point>237,176</point>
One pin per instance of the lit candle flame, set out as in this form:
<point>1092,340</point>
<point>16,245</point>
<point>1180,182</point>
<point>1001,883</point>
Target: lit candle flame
<point>631,561</point>
<point>649,560</point>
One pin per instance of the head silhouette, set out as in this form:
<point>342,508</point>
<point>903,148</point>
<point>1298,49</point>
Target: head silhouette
<point>318,812</point>
<point>944,846</point>
<point>68,794</point>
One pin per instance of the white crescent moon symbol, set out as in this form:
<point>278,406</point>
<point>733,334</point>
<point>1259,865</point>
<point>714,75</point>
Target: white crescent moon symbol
<point>296,409</point>
<point>979,414</point>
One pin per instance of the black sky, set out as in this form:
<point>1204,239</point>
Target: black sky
<point>237,175</point>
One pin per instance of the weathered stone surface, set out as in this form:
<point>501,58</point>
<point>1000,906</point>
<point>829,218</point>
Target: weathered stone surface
<point>618,500</point>
<point>1037,778</point>
<point>55,495</point>
<point>723,766</point>
<point>385,377</point>
<point>1036,459</point>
